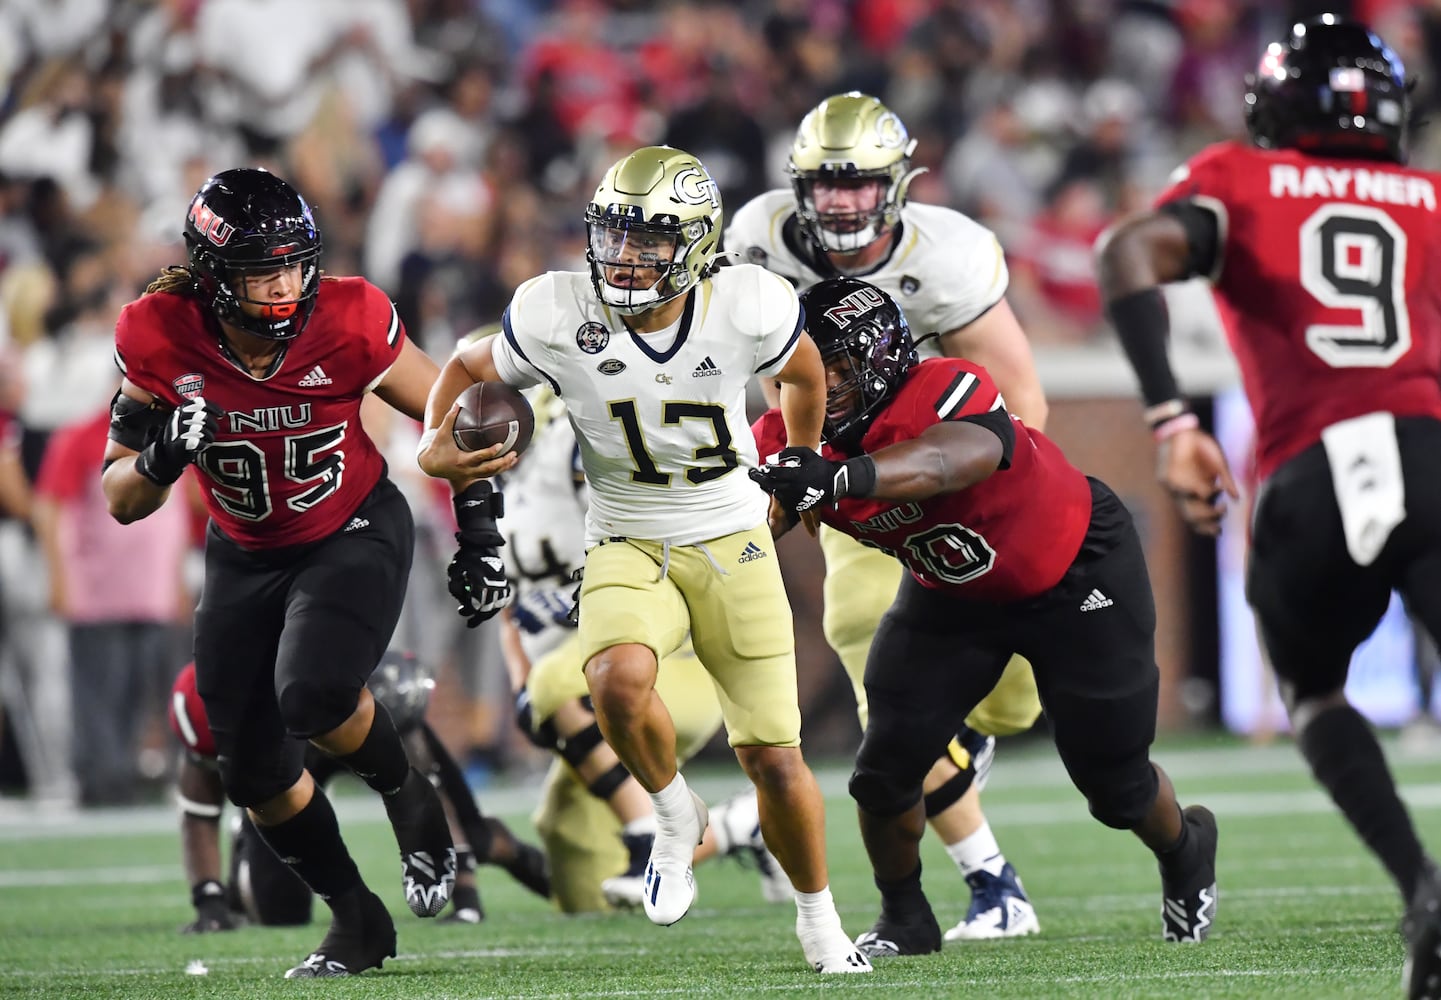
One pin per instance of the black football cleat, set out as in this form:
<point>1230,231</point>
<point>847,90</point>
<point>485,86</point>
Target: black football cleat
<point>427,854</point>
<point>523,862</point>
<point>1421,927</point>
<point>361,936</point>
<point>914,933</point>
<point>1188,899</point>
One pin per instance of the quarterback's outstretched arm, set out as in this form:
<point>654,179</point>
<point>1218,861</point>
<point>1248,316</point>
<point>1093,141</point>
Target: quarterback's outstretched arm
<point>438,455</point>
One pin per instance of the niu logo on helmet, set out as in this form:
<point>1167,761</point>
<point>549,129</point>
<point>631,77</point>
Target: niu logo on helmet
<point>216,229</point>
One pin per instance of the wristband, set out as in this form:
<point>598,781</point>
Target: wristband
<point>1168,429</point>
<point>146,464</point>
<point>479,499</point>
<point>860,476</point>
<point>426,436</point>
<point>1156,415</point>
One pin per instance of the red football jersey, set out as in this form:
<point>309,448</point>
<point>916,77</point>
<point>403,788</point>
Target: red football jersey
<point>1323,287</point>
<point>1011,536</point>
<point>291,462</point>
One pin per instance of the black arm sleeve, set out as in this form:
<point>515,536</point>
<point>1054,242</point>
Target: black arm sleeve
<point>999,422</point>
<point>1203,236</point>
<point>134,424</point>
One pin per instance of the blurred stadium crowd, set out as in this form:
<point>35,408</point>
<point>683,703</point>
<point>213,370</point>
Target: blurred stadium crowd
<point>449,147</point>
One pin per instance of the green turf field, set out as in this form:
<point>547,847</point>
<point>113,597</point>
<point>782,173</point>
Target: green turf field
<point>89,909</point>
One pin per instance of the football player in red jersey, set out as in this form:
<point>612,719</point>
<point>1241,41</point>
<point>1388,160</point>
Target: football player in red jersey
<point>263,888</point>
<point>251,366</point>
<point>1010,549</point>
<point>1319,245</point>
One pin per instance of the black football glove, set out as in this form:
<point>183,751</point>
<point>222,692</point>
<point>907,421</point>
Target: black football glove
<point>801,479</point>
<point>477,573</point>
<point>212,910</point>
<point>189,431</point>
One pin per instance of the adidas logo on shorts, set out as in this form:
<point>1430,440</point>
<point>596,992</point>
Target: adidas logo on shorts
<point>751,553</point>
<point>1095,601</point>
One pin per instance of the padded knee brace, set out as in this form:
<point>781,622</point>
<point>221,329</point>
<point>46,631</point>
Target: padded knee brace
<point>881,795</point>
<point>311,708</point>
<point>1119,793</point>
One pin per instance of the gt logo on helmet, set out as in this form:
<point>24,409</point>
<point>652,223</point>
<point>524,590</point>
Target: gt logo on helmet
<point>216,229</point>
<point>695,187</point>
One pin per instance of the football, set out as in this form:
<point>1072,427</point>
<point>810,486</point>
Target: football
<point>493,413</point>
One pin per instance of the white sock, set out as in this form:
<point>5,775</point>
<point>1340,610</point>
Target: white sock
<point>673,803</point>
<point>816,907</point>
<point>640,826</point>
<point>978,852</point>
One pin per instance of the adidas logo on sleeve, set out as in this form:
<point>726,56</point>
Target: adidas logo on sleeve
<point>1095,601</point>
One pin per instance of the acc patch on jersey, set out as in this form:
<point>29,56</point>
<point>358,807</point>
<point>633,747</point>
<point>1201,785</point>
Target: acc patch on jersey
<point>611,366</point>
<point>592,337</point>
<point>190,385</point>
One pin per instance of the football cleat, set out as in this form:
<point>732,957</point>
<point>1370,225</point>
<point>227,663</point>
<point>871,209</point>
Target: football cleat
<point>624,891</point>
<point>361,936</point>
<point>1421,927</point>
<point>905,934</point>
<point>828,949</point>
<point>465,906</point>
<point>1188,901</point>
<point>999,908</point>
<point>427,854</point>
<point>669,887</point>
<point>737,822</point>
<point>982,749</point>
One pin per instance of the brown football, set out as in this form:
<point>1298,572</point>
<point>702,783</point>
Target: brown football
<point>493,413</point>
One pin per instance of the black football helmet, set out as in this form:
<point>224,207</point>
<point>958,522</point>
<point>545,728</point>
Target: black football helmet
<point>1332,87</point>
<point>247,221</point>
<point>854,320</point>
<point>403,686</point>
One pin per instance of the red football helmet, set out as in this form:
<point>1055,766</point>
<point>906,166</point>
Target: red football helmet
<point>187,715</point>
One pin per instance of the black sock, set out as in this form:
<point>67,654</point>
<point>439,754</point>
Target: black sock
<point>309,842</point>
<point>1174,858</point>
<point>380,760</point>
<point>904,895</point>
<point>1346,759</point>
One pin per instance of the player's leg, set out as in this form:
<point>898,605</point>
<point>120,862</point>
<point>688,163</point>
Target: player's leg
<point>999,906</point>
<point>742,631</point>
<point>581,837</point>
<point>341,610</point>
<point>1096,670</point>
<point>630,615</point>
<point>267,888</point>
<point>950,663</point>
<point>859,586</point>
<point>237,628</point>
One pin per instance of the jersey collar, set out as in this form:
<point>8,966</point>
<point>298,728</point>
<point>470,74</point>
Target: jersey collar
<point>661,357</point>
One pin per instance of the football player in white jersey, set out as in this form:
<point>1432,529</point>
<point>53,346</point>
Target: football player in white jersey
<point>595,820</point>
<point>652,352</point>
<point>847,214</point>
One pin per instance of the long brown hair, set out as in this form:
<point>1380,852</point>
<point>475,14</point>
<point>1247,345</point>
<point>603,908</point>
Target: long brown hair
<point>175,280</point>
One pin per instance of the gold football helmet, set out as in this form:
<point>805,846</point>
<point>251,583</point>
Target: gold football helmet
<point>849,137</point>
<point>654,225</point>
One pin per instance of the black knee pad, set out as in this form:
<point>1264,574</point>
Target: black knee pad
<point>1119,794</point>
<point>256,784</point>
<point>311,707</point>
<point>575,748</point>
<point>882,795</point>
<point>950,793</point>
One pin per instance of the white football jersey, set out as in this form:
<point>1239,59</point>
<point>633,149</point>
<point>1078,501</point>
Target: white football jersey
<point>945,272</point>
<point>544,528</point>
<point>660,418</point>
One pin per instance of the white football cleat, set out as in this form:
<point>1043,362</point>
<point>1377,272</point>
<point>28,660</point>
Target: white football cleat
<point>737,823</point>
<point>669,887</point>
<point>829,949</point>
<point>999,908</point>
